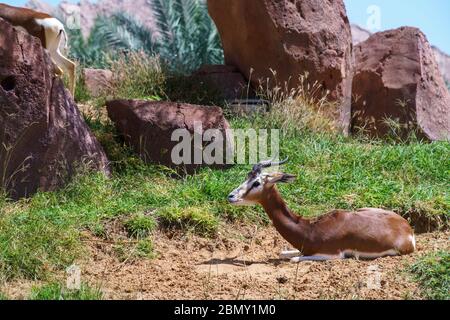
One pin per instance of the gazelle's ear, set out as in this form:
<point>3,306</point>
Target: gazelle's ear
<point>280,178</point>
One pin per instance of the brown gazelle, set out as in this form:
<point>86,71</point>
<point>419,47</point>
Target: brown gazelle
<point>366,233</point>
<point>48,29</point>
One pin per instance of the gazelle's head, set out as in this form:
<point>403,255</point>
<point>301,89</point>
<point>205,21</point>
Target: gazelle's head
<point>257,183</point>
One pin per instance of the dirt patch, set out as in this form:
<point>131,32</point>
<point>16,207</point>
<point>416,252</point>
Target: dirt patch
<point>242,263</point>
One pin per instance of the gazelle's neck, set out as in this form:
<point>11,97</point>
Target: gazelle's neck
<point>293,228</point>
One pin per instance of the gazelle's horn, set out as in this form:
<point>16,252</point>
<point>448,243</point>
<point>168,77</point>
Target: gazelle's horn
<point>267,164</point>
<point>273,164</point>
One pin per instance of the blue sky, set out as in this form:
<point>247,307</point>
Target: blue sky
<point>431,16</point>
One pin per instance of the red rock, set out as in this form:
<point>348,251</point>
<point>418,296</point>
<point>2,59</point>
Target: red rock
<point>97,81</point>
<point>443,59</point>
<point>43,137</point>
<point>292,38</point>
<point>397,77</point>
<point>226,81</point>
<point>148,126</point>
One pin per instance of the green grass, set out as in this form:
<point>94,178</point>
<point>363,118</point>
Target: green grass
<point>140,225</point>
<point>81,92</point>
<point>433,274</point>
<point>56,291</point>
<point>145,249</point>
<point>41,235</point>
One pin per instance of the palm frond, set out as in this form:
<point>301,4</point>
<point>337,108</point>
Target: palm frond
<point>185,36</point>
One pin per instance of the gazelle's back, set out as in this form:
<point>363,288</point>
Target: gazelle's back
<point>367,232</point>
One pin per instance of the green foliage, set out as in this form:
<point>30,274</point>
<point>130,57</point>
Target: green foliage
<point>185,37</point>
<point>433,274</point>
<point>140,225</point>
<point>91,52</point>
<point>56,291</point>
<point>81,92</point>
<point>188,36</point>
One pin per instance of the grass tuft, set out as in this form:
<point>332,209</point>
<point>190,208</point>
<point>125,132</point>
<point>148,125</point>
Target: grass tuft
<point>56,291</point>
<point>138,76</point>
<point>433,274</point>
<point>140,225</point>
<point>300,109</point>
<point>199,219</point>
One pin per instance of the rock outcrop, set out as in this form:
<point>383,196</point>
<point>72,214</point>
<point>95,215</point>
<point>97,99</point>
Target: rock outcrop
<point>291,38</point>
<point>150,128</point>
<point>43,137</point>
<point>397,80</point>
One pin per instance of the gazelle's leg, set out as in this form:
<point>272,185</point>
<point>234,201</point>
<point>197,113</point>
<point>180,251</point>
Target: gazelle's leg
<point>288,254</point>
<point>53,35</point>
<point>68,67</point>
<point>314,258</point>
<point>52,40</point>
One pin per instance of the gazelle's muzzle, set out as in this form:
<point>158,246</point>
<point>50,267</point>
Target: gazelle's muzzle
<point>233,197</point>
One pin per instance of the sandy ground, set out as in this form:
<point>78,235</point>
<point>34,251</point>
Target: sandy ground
<point>242,263</point>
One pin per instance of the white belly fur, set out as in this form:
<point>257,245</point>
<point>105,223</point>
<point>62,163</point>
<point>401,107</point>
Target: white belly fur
<point>368,255</point>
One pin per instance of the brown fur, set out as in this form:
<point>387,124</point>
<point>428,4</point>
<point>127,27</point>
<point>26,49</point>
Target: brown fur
<point>25,18</point>
<point>366,230</point>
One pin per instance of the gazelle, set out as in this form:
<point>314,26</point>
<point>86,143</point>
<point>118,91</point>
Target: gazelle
<point>367,233</point>
<point>48,29</point>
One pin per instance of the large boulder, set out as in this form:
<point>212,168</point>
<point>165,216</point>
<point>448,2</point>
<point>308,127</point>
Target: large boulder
<point>398,85</point>
<point>150,127</point>
<point>43,138</point>
<point>443,59</point>
<point>291,38</point>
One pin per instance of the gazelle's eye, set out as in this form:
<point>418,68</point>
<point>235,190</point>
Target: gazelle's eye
<point>256,184</point>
